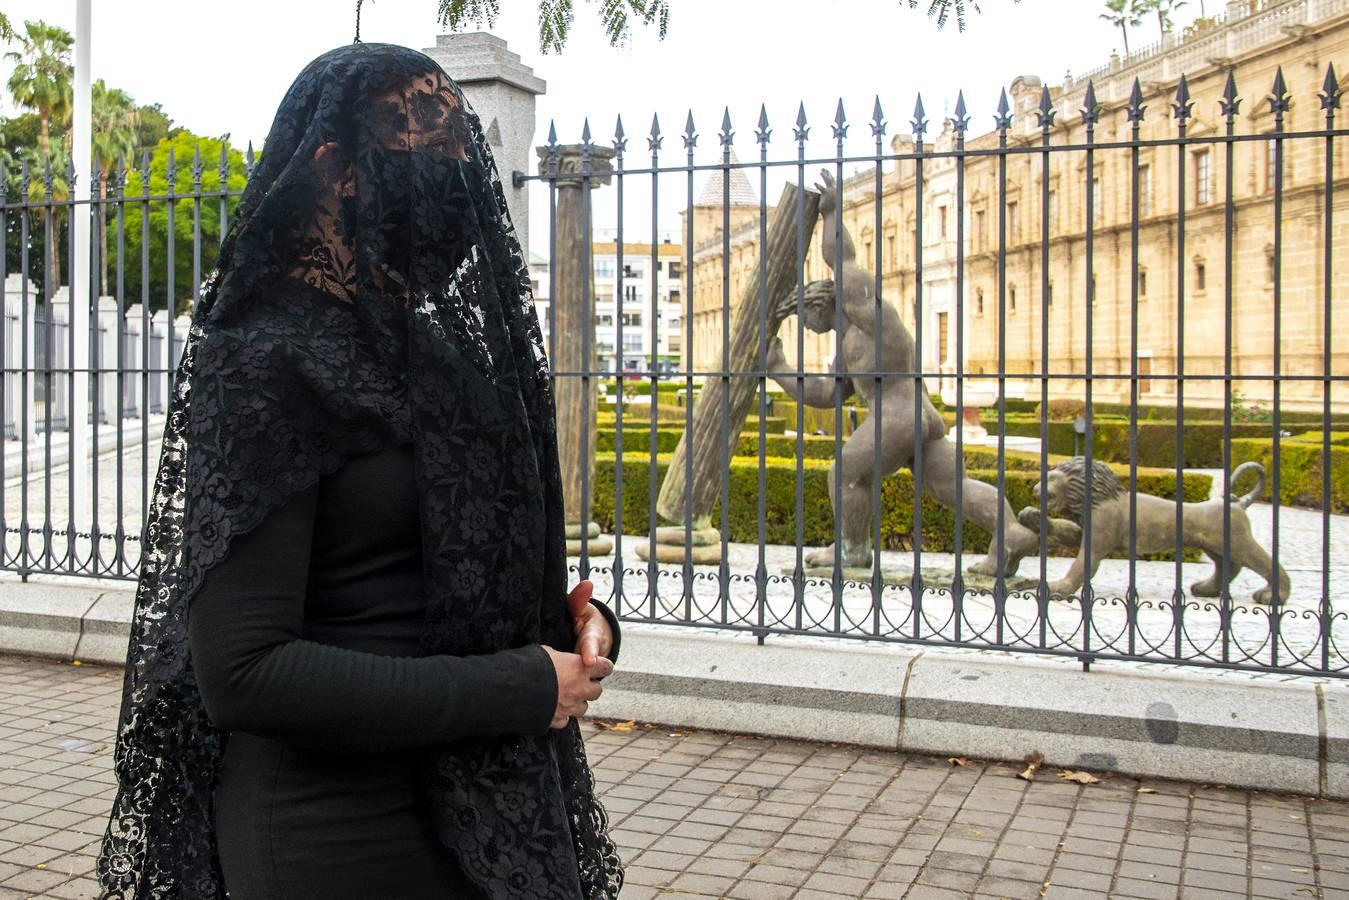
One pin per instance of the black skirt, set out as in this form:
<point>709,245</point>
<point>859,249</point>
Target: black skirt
<point>293,823</point>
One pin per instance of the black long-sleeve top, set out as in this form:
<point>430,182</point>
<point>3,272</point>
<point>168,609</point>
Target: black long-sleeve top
<point>307,631</point>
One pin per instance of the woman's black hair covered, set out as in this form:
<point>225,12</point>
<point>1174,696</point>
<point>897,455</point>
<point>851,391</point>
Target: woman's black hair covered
<point>370,290</point>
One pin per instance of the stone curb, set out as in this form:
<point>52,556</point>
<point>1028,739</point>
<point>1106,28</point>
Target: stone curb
<point>1223,728</point>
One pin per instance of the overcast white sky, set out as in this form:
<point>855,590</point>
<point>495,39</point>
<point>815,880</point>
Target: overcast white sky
<point>220,68</point>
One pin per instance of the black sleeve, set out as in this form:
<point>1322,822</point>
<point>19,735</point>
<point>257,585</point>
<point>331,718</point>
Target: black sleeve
<point>256,674</point>
<point>613,626</point>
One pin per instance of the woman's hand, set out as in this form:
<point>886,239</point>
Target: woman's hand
<point>577,684</point>
<point>593,637</point>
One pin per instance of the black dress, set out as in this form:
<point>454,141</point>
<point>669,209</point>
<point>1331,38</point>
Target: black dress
<point>303,642</point>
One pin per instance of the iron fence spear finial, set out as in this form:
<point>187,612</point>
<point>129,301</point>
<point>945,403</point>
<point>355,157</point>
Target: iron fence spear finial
<point>1136,107</point>
<point>1230,102</point>
<point>1330,91</point>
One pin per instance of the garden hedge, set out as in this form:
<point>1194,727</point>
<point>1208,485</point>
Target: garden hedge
<point>1301,468</point>
<point>780,508</point>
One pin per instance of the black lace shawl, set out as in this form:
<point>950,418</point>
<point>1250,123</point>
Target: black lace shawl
<point>375,186</point>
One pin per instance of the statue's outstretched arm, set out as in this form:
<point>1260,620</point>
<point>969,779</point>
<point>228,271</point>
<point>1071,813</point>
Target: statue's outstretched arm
<point>823,391</point>
<point>829,206</point>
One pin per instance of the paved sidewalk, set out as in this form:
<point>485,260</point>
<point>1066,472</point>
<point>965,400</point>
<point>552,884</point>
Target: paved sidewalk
<point>716,815</point>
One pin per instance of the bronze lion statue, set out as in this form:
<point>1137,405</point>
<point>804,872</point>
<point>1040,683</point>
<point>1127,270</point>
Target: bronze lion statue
<point>1063,495</point>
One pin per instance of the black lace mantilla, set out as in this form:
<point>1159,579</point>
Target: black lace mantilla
<point>370,289</point>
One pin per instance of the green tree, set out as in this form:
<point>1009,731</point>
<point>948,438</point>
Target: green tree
<point>115,137</point>
<point>152,126</point>
<point>183,145</point>
<point>41,82</point>
<point>1124,14</point>
<point>617,16</point>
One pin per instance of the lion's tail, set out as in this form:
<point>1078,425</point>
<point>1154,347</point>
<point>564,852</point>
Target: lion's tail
<point>1256,492</point>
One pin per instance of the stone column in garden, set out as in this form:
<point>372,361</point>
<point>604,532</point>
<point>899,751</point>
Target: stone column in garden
<point>576,170</point>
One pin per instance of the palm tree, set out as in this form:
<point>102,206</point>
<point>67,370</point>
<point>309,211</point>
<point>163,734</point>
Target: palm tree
<point>42,75</point>
<point>41,82</point>
<point>1163,9</point>
<point>115,121</point>
<point>1125,14</point>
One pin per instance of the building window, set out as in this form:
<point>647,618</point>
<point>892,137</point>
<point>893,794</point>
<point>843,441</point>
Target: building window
<point>604,268</point>
<point>1272,163</point>
<point>866,250</point>
<point>1053,211</point>
<point>979,302</point>
<point>676,269</point>
<point>1203,177</point>
<point>1144,191</point>
<point>1049,294</point>
<point>1013,221</point>
<point>1200,276</point>
<point>632,319</point>
<point>1093,289</point>
<point>1011,298</point>
<point>979,233</point>
<point>890,248</point>
<point>941,219</point>
<point>1097,208</point>
<point>1142,284</point>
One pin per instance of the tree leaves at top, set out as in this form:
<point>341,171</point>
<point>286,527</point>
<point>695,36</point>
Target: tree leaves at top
<point>618,16</point>
<point>941,10</point>
<point>555,18</point>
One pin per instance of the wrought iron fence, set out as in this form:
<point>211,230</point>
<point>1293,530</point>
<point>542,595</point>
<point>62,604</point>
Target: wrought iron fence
<point>711,480</point>
<point>1229,176</point>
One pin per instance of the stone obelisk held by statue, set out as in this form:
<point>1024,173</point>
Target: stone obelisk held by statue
<point>688,501</point>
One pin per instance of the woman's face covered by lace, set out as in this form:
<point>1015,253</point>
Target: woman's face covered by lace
<point>406,142</point>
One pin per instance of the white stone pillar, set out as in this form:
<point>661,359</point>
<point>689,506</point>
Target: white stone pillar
<point>12,353</point>
<point>501,90</point>
<point>60,358</point>
<point>161,383</point>
<point>108,409</point>
<point>133,362</point>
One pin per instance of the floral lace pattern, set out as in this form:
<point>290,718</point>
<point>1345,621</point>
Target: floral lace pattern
<point>370,289</point>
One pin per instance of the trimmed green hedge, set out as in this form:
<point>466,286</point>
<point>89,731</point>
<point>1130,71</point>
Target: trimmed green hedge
<point>1301,469</point>
<point>642,387</point>
<point>1202,447</point>
<point>780,515</point>
<point>638,440</point>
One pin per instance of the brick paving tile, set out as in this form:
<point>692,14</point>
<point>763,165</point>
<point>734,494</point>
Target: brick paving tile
<point>702,814</point>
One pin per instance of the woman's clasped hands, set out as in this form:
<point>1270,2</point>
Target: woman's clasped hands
<point>579,673</point>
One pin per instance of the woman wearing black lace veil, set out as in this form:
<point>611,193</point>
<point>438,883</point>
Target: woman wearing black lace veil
<point>358,499</point>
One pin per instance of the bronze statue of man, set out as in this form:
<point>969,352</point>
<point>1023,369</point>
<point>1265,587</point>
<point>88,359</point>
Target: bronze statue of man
<point>899,432</point>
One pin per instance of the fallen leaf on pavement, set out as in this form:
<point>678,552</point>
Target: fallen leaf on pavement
<point>621,727</point>
<point>1033,761</point>
<point>957,761</point>
<point>1146,790</point>
<point>1079,777</point>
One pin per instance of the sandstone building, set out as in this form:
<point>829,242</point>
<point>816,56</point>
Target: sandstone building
<point>990,302</point>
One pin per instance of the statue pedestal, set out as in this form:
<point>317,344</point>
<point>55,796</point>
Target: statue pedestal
<point>902,576</point>
<point>704,546</point>
<point>596,544</point>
